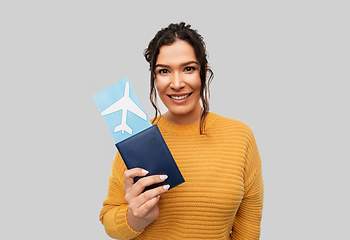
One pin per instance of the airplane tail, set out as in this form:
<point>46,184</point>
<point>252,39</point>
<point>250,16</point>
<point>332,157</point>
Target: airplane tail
<point>123,127</point>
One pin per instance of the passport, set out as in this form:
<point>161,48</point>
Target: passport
<point>139,143</point>
<point>148,150</point>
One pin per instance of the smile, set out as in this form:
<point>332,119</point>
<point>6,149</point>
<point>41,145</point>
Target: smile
<point>180,97</point>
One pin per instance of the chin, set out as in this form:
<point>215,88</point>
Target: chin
<point>185,111</point>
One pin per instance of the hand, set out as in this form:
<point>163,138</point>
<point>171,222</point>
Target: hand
<point>143,206</point>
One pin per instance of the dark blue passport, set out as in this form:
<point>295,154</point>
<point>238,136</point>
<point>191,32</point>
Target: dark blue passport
<point>148,150</point>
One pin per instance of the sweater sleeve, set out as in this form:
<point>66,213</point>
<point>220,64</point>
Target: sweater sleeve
<point>113,213</point>
<point>248,218</point>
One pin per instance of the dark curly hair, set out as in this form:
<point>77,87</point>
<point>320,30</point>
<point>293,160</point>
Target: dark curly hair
<point>167,36</point>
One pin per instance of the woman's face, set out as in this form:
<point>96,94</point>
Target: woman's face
<point>178,82</point>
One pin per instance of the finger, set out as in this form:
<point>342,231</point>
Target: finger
<point>148,195</point>
<point>142,183</point>
<point>146,208</point>
<point>130,174</point>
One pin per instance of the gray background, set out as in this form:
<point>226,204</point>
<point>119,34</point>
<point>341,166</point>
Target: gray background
<point>282,67</point>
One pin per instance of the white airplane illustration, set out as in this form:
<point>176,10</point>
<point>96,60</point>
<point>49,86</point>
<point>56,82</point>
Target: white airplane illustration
<point>125,104</point>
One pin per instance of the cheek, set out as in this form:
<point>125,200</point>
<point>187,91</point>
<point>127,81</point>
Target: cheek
<point>195,82</point>
<point>161,85</point>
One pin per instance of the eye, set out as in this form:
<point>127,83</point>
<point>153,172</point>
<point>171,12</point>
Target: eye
<point>163,71</point>
<point>189,69</point>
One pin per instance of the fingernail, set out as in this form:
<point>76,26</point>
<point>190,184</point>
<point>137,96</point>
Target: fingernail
<point>163,177</point>
<point>165,187</point>
<point>144,171</point>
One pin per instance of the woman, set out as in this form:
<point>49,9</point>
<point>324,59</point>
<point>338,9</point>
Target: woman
<point>222,197</point>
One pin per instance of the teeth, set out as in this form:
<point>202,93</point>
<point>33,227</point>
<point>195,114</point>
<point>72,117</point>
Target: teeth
<point>180,97</point>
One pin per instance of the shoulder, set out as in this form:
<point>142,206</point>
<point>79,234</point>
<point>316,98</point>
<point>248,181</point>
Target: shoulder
<point>229,123</point>
<point>231,128</point>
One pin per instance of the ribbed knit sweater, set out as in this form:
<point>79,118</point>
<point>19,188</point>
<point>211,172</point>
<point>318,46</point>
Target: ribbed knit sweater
<point>222,197</point>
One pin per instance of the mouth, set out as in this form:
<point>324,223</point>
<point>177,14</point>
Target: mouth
<point>180,97</point>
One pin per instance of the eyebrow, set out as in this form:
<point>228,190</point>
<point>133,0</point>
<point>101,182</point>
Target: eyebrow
<point>183,64</point>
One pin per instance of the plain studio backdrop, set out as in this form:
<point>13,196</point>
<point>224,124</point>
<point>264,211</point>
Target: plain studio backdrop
<point>282,67</point>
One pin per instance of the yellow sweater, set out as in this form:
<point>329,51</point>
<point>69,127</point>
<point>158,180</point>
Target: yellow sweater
<point>222,197</point>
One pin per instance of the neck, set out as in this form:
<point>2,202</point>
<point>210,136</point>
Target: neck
<point>192,117</point>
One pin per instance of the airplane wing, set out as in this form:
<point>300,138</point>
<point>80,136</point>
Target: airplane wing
<point>131,106</point>
<point>118,105</point>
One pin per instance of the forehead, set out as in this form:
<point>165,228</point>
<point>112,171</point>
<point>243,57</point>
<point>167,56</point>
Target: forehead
<point>177,53</point>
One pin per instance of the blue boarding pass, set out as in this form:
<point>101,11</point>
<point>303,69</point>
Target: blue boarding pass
<point>122,110</point>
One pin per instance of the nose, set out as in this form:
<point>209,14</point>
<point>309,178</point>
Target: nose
<point>177,82</point>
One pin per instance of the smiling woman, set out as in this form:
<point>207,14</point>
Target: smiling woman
<point>222,197</point>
